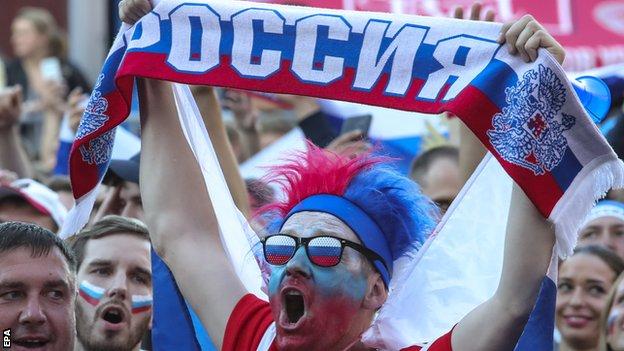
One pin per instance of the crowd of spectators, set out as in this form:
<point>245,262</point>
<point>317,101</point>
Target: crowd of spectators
<point>108,263</point>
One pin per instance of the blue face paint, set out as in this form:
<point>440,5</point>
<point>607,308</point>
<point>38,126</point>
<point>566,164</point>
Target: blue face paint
<point>337,281</point>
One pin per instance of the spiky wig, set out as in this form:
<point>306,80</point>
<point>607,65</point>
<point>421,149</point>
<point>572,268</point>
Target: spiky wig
<point>393,201</point>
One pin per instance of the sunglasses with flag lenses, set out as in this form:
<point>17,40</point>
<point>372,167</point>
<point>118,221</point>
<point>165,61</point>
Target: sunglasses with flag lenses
<point>323,251</point>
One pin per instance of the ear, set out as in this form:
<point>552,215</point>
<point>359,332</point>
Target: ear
<point>376,294</point>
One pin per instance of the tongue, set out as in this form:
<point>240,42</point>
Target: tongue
<point>294,308</point>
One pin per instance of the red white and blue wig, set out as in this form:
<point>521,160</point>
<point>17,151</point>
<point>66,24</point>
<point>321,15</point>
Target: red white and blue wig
<point>386,210</point>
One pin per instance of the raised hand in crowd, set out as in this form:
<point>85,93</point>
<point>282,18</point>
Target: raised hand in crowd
<point>351,144</point>
<point>53,105</point>
<point>10,107</point>
<point>245,117</point>
<point>131,11</point>
<point>75,107</point>
<point>112,203</point>
<point>526,36</point>
<point>302,106</point>
<point>241,105</point>
<point>7,177</point>
<point>52,96</point>
<point>12,154</point>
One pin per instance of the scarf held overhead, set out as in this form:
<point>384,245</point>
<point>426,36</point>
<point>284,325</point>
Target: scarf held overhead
<point>526,114</point>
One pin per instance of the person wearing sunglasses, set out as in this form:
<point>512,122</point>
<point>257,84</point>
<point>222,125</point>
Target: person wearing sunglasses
<point>332,241</point>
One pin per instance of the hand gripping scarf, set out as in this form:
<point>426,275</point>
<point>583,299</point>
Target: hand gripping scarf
<point>527,115</point>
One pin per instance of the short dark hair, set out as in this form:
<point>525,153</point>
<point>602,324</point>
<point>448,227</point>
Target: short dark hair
<point>606,255</point>
<point>15,235</point>
<point>109,225</point>
<point>422,162</point>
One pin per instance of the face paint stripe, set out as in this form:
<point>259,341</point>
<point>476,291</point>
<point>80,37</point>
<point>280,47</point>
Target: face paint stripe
<point>141,309</point>
<point>611,322</point>
<point>141,303</point>
<point>91,293</point>
<point>90,299</point>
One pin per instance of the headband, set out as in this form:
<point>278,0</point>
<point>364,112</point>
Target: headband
<point>606,208</point>
<point>364,227</point>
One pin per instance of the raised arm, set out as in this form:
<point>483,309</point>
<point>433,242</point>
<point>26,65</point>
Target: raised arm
<point>180,215</point>
<point>529,239</point>
<point>211,113</point>
<point>12,154</point>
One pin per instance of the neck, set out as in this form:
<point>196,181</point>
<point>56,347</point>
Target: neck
<point>353,337</point>
<point>566,347</point>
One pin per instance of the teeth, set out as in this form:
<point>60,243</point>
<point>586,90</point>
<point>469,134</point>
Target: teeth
<point>293,293</point>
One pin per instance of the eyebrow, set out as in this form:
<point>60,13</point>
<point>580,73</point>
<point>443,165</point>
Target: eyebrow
<point>143,271</point>
<point>594,281</point>
<point>48,284</point>
<point>12,285</point>
<point>100,263</point>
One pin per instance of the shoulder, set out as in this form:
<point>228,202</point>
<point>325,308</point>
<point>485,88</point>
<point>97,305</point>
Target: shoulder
<point>249,325</point>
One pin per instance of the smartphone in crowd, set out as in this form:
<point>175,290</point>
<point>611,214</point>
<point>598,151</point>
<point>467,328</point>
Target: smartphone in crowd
<point>361,123</point>
<point>51,69</point>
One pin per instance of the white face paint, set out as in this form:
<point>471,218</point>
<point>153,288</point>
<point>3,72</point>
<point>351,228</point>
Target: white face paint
<point>615,322</point>
<point>114,309</point>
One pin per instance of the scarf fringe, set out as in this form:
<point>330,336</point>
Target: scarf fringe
<point>79,215</point>
<point>592,184</point>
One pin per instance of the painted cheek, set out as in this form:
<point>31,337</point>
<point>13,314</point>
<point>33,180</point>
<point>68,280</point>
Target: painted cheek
<point>338,281</point>
<point>91,293</point>
<point>141,303</point>
<point>277,274</point>
<point>300,259</point>
<point>612,321</point>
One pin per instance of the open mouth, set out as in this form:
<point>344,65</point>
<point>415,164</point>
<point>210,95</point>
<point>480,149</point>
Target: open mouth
<point>113,315</point>
<point>31,343</point>
<point>294,304</point>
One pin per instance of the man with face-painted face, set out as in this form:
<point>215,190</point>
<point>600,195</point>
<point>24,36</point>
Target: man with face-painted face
<point>114,303</point>
<point>332,242</point>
